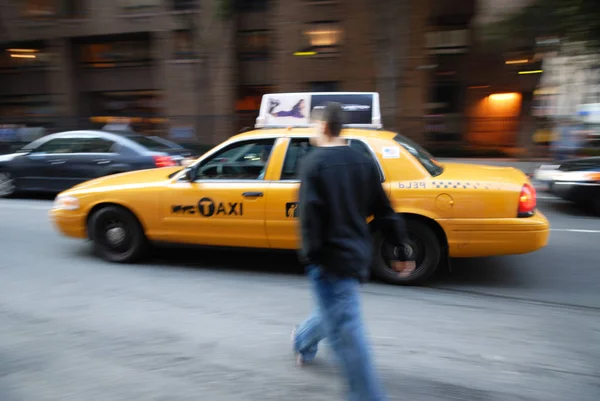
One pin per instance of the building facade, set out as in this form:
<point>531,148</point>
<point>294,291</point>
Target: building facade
<point>175,65</point>
<point>191,71</point>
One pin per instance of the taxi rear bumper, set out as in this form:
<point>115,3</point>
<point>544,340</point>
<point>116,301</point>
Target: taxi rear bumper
<point>468,238</point>
<point>69,223</point>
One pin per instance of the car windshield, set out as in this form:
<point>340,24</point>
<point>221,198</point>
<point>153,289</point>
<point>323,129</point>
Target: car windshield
<point>166,142</point>
<point>424,157</point>
<point>148,142</point>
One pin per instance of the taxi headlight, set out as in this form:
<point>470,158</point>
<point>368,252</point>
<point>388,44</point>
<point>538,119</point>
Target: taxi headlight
<point>64,202</point>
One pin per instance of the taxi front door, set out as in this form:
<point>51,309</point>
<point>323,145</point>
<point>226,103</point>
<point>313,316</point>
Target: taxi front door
<point>226,204</point>
<point>216,213</point>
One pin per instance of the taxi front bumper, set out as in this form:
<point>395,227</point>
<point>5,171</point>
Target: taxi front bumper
<point>69,223</point>
<point>468,238</point>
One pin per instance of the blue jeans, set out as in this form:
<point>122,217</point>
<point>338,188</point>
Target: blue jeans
<point>338,318</point>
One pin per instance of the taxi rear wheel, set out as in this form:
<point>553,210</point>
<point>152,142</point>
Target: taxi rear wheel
<point>422,243</point>
<point>117,235</point>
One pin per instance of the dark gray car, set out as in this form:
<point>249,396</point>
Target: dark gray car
<point>59,161</point>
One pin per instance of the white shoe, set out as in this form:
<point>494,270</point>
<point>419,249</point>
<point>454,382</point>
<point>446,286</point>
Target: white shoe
<point>299,358</point>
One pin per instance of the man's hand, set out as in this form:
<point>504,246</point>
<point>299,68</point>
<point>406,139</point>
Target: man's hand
<point>404,269</point>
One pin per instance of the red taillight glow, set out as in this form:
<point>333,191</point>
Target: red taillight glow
<point>164,161</point>
<point>527,200</point>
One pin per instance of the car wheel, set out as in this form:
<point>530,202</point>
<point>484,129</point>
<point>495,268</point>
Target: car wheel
<point>117,235</point>
<point>423,244</point>
<point>8,186</point>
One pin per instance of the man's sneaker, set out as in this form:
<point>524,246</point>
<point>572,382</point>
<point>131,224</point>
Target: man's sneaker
<point>299,358</point>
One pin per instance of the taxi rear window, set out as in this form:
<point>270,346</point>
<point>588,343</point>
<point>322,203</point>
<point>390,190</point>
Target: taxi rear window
<point>424,157</point>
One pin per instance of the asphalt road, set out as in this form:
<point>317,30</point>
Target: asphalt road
<point>214,326</point>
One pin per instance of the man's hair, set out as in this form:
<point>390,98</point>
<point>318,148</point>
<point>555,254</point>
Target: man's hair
<point>333,116</point>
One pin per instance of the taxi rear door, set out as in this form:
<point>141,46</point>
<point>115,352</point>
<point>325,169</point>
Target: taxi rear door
<point>225,205</point>
<point>282,199</point>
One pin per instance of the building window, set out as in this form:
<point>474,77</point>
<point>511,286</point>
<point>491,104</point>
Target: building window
<point>140,110</point>
<point>184,45</point>
<point>324,37</point>
<point>254,45</point>
<point>23,57</point>
<point>39,9</point>
<point>324,86</point>
<point>26,106</point>
<point>139,3</point>
<point>127,103</point>
<point>73,8</point>
<point>448,42</point>
<point>446,98</point>
<point>247,105</point>
<point>251,5</point>
<point>116,54</point>
<point>183,5</point>
<point>250,97</point>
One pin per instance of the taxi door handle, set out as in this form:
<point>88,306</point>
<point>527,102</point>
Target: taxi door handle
<point>57,161</point>
<point>252,194</point>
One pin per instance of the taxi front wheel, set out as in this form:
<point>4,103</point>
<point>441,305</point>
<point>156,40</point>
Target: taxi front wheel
<point>425,248</point>
<point>117,235</point>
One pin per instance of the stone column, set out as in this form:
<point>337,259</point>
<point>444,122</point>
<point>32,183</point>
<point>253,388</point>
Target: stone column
<point>288,38</point>
<point>222,83</point>
<point>61,84</point>
<point>160,50</point>
<point>414,82</point>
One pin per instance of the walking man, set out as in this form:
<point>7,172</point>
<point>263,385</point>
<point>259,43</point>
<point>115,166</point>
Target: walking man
<point>340,188</point>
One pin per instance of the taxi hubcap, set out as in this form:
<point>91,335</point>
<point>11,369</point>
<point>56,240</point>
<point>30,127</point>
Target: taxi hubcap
<point>408,249</point>
<point>115,235</point>
<point>413,248</point>
<point>7,185</point>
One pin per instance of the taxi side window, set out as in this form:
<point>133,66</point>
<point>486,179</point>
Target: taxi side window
<point>297,149</point>
<point>362,148</point>
<point>246,160</point>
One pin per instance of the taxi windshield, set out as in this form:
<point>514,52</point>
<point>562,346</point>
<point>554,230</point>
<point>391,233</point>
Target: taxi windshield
<point>424,157</point>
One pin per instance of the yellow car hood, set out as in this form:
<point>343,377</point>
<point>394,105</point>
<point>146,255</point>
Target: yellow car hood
<point>132,178</point>
<point>478,172</point>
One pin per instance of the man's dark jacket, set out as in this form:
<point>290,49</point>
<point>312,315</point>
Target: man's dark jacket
<point>340,188</point>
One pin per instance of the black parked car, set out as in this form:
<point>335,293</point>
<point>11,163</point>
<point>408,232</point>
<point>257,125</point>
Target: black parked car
<point>576,180</point>
<point>59,161</point>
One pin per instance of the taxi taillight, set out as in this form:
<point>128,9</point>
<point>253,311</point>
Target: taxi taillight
<point>164,161</point>
<point>527,201</point>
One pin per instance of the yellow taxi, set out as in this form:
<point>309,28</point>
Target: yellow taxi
<point>243,193</point>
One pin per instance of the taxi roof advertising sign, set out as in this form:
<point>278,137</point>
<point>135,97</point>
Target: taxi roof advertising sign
<point>296,109</point>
